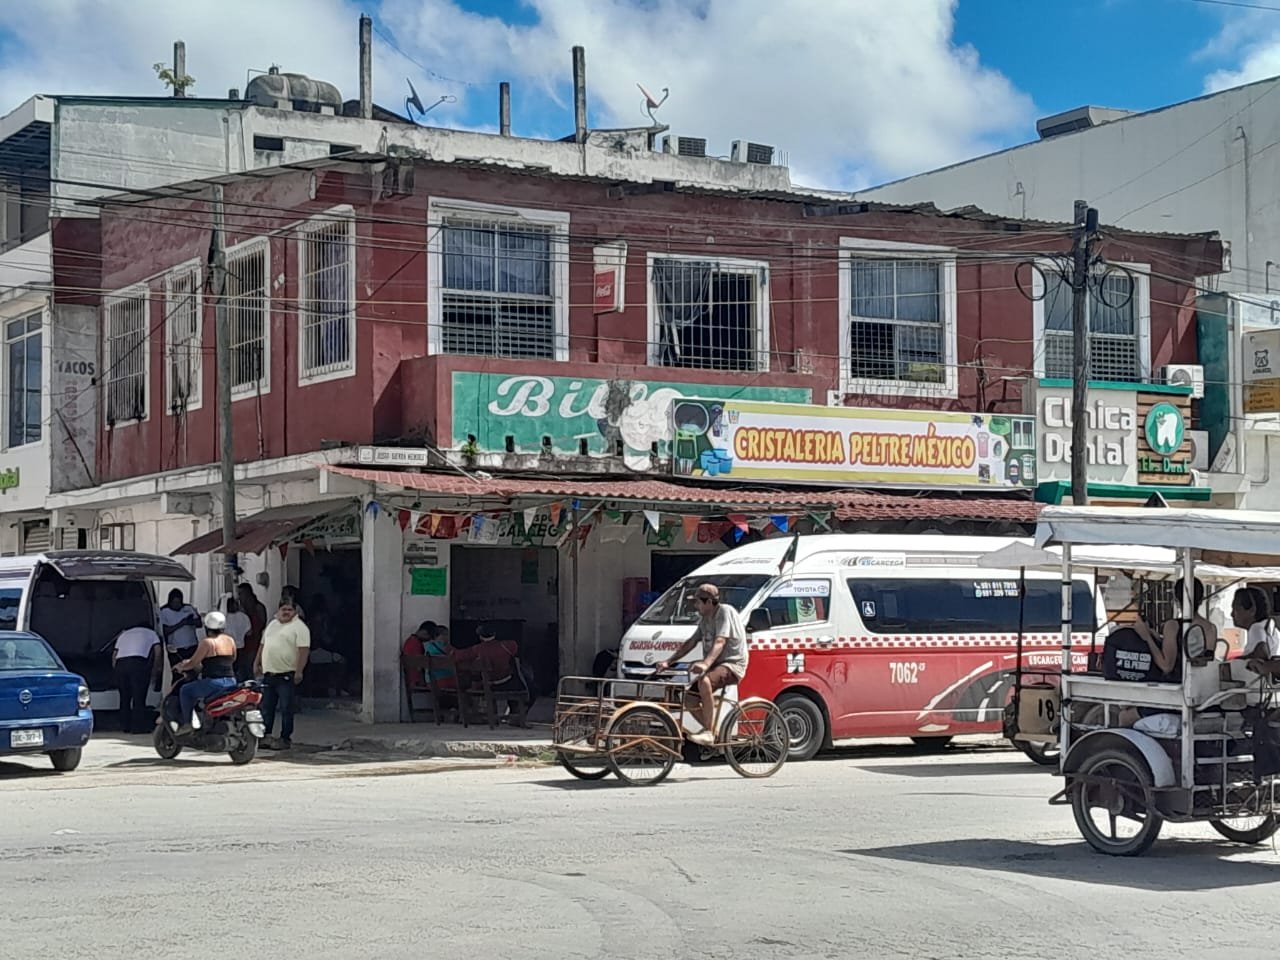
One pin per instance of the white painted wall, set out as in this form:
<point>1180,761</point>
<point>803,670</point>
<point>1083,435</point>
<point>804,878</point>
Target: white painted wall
<point>1184,165</point>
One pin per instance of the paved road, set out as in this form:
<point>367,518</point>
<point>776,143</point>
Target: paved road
<point>878,853</point>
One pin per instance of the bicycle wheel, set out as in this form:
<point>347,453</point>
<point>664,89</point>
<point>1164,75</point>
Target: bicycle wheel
<point>756,739</point>
<point>643,745</point>
<point>578,726</point>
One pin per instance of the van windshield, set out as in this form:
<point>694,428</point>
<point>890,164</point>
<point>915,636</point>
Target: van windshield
<point>676,605</point>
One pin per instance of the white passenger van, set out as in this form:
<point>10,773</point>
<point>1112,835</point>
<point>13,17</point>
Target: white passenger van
<point>79,600</point>
<point>868,635</point>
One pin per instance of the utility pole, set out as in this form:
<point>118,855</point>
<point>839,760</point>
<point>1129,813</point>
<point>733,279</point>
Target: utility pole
<point>222,327</point>
<point>1086,225</point>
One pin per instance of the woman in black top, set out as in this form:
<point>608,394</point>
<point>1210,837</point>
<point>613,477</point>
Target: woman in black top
<point>215,658</point>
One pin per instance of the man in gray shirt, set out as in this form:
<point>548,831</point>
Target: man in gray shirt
<point>724,657</point>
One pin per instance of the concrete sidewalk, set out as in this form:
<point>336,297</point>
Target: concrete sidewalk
<point>330,729</point>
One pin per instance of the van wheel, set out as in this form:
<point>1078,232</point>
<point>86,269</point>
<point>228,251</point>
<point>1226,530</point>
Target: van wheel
<point>806,726</point>
<point>64,761</point>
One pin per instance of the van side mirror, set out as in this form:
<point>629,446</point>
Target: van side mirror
<point>759,620</point>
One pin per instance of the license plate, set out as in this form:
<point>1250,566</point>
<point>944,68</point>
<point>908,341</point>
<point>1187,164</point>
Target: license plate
<point>253,716</point>
<point>26,738</point>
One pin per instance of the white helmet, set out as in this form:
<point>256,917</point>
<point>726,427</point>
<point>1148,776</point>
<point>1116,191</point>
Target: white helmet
<point>214,620</point>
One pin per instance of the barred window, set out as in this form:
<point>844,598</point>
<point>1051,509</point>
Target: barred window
<point>897,320</point>
<point>709,314</point>
<point>126,356</point>
<point>497,288</point>
<point>247,313</point>
<point>1111,308</point>
<point>326,295</point>
<point>182,338</point>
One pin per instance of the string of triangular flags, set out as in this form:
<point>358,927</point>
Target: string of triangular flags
<point>614,524</point>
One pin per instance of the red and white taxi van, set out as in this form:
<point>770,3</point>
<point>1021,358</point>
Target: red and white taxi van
<point>872,635</point>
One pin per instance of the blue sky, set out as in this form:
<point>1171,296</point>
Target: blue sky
<point>853,91</point>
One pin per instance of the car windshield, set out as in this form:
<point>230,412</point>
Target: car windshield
<point>676,605</point>
<point>26,653</point>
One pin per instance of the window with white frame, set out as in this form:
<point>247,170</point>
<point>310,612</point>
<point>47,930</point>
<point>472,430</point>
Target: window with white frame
<point>182,338</point>
<point>248,315</point>
<point>125,378</point>
<point>709,314</point>
<point>326,297</point>
<point>499,279</point>
<point>1117,312</point>
<point>24,361</point>
<point>899,319</point>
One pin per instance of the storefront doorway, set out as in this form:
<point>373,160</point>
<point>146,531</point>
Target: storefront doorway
<point>516,590</point>
<point>331,584</point>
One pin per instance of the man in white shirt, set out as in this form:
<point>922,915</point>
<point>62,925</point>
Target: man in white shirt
<point>286,644</point>
<point>179,622</point>
<point>1250,611</point>
<point>136,659</point>
<point>237,628</point>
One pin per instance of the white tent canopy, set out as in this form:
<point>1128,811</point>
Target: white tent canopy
<point>1231,531</point>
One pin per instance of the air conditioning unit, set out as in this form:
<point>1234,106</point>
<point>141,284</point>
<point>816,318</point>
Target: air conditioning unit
<point>1186,375</point>
<point>744,151</point>
<point>1199,449</point>
<point>685,146</point>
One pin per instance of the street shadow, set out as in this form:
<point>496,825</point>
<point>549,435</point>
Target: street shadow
<point>10,770</point>
<point>1171,865</point>
<point>951,768</point>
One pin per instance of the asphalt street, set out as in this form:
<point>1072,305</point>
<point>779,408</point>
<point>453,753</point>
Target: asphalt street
<point>878,852</point>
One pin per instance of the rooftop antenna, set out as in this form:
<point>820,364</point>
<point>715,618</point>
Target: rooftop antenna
<point>652,103</point>
<point>413,100</point>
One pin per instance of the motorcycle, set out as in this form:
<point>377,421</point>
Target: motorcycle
<point>228,722</point>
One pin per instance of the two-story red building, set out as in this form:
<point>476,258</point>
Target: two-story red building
<point>517,339</point>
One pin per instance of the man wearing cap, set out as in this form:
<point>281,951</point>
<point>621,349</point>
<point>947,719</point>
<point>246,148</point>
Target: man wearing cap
<point>724,657</point>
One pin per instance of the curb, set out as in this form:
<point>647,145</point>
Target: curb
<point>416,748</point>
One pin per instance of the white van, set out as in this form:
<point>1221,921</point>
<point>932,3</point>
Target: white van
<point>868,635</point>
<point>79,600</point>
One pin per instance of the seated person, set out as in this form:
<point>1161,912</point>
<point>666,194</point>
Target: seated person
<point>1166,652</point>
<point>1251,612</point>
<point>498,659</point>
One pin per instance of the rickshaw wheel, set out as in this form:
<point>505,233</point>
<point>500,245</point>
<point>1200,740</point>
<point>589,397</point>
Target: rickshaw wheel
<point>1045,754</point>
<point>642,744</point>
<point>1260,832</point>
<point>1122,792</point>
<point>585,768</point>
<point>757,739</point>
<point>578,724</point>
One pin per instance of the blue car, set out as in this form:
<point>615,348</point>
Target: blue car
<point>43,708</point>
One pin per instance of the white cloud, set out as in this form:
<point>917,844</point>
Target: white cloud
<point>853,92</point>
<point>1250,41</point>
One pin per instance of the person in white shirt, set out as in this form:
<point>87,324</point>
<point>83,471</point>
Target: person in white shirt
<point>136,659</point>
<point>237,628</point>
<point>179,621</point>
<point>286,645</point>
<point>1251,612</point>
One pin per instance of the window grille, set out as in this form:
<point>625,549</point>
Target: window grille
<point>126,374</point>
<point>708,314</point>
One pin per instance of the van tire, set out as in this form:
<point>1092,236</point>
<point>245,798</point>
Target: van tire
<point>64,761</point>
<point>806,725</point>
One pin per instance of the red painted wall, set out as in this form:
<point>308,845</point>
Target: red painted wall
<point>399,393</point>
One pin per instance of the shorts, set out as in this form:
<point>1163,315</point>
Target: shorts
<point>721,676</point>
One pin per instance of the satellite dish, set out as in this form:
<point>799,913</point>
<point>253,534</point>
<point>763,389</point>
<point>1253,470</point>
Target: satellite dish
<point>413,100</point>
<point>652,103</point>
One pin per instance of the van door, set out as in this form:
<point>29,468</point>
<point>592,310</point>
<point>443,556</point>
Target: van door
<point>798,645</point>
<point>80,600</point>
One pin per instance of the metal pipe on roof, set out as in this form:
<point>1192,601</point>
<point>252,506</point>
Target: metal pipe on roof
<point>580,94</point>
<point>504,109</point>
<point>366,67</point>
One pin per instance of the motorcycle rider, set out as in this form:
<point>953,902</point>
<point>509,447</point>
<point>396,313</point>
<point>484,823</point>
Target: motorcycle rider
<point>215,658</point>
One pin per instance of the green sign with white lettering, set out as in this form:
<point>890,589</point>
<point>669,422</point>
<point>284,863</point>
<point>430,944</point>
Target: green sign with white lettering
<point>607,416</point>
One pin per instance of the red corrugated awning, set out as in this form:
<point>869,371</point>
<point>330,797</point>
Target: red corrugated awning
<point>847,504</point>
<point>255,533</point>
